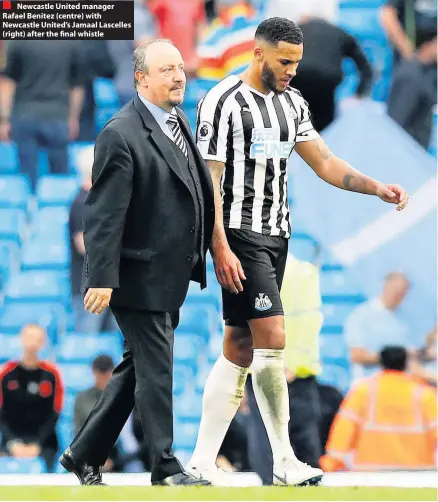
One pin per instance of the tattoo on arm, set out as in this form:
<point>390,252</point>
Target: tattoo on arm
<point>355,183</point>
<point>323,149</point>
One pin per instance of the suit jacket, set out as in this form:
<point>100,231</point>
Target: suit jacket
<point>139,215</point>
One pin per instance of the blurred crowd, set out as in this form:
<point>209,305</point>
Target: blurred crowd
<point>388,418</point>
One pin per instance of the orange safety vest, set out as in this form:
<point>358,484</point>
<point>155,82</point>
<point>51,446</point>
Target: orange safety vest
<point>386,422</point>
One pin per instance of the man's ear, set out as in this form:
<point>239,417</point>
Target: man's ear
<point>142,78</point>
<point>258,53</point>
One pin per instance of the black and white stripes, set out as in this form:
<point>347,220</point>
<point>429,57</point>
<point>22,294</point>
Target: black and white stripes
<point>177,133</point>
<point>254,135</point>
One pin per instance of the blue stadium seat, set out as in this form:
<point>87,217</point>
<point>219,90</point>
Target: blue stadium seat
<point>76,377</point>
<point>73,151</point>
<point>9,163</point>
<point>201,319</point>
<point>8,262</point>
<point>14,316</point>
<point>84,348</point>
<point>12,226</point>
<point>188,349</point>
<point>50,220</point>
<point>9,465</point>
<point>185,433</point>
<point>335,314</point>
<point>215,346</point>
<point>184,455</point>
<point>105,93</point>
<point>69,404</point>
<point>184,379</point>
<point>361,22</point>
<point>103,115</point>
<point>65,434</point>
<point>209,296</point>
<point>41,254</point>
<point>14,191</point>
<point>345,4</point>
<point>57,190</point>
<point>433,139</point>
<point>188,406</point>
<point>337,284</point>
<point>303,247</point>
<point>12,349</point>
<point>333,348</point>
<point>35,286</point>
<point>337,375</point>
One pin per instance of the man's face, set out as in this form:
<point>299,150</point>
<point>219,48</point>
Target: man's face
<point>164,82</point>
<point>33,339</point>
<point>279,64</point>
<point>394,291</point>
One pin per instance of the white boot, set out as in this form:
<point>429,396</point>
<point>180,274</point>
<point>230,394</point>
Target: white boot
<point>292,472</point>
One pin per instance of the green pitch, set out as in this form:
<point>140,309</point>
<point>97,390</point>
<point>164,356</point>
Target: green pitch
<point>131,493</point>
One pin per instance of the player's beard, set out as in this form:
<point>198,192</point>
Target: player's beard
<point>268,78</point>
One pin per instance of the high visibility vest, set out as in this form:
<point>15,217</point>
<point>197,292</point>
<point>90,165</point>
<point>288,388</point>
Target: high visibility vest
<point>301,300</point>
<point>387,422</point>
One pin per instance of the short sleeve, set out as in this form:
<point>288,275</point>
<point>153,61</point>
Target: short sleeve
<point>213,125</point>
<point>306,131</point>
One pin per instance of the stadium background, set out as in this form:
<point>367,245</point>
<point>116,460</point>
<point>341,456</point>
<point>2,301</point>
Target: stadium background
<point>34,244</point>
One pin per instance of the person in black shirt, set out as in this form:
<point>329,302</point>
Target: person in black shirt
<point>84,321</point>
<point>320,71</point>
<point>31,399</point>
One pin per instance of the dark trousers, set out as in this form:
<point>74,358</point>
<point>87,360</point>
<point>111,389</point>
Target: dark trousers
<point>31,135</point>
<point>305,413</point>
<point>144,377</point>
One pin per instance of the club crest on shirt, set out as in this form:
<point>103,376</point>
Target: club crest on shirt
<point>263,302</point>
<point>205,131</point>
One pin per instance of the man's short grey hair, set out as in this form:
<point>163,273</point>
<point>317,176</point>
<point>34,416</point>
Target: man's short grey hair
<point>139,62</point>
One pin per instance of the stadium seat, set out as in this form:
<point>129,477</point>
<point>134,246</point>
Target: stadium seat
<point>36,286</point>
<point>9,163</point>
<point>76,377</point>
<point>215,346</point>
<point>105,93</point>
<point>82,348</point>
<point>185,433</point>
<point>103,115</point>
<point>433,140</point>
<point>57,190</point>
<point>203,372</point>
<point>14,316</point>
<point>9,465</point>
<point>303,247</point>
<point>65,434</point>
<point>345,4</point>
<point>8,262</point>
<point>69,404</point>
<point>73,151</point>
<point>184,379</point>
<point>335,314</point>
<point>42,254</point>
<point>209,296</point>
<point>50,220</point>
<point>14,191</point>
<point>333,348</point>
<point>202,319</point>
<point>188,349</point>
<point>12,349</point>
<point>336,375</point>
<point>184,455</point>
<point>188,406</point>
<point>12,226</point>
<point>337,284</point>
<point>361,22</point>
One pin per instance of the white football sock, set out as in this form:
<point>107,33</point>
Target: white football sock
<point>223,393</point>
<point>271,393</point>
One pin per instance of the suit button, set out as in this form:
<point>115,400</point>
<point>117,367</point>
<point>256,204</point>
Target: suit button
<point>192,229</point>
<point>189,257</point>
<point>197,183</point>
<point>192,166</point>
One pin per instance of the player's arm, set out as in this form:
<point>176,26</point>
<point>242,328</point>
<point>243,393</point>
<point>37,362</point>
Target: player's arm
<point>228,268</point>
<point>340,174</point>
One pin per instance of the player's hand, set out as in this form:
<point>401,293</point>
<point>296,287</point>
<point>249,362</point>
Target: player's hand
<point>229,271</point>
<point>5,131</point>
<point>97,299</point>
<point>393,194</point>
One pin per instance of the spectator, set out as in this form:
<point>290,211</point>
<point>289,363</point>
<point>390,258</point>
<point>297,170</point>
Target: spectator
<point>424,364</point>
<point>121,51</point>
<point>414,93</point>
<point>320,72</point>
<point>227,47</point>
<point>41,97</point>
<point>84,321</point>
<point>31,399</point>
<point>182,22</point>
<point>387,422</point>
<point>375,324</point>
<point>323,9</point>
<point>409,24</point>
<point>102,368</point>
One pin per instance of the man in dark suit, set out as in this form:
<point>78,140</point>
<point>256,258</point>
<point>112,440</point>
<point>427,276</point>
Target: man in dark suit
<point>148,221</point>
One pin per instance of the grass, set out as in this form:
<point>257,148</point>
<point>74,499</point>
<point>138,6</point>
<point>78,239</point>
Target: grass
<point>133,493</point>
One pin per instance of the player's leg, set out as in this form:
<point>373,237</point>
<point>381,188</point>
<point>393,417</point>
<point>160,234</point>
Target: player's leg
<point>223,393</point>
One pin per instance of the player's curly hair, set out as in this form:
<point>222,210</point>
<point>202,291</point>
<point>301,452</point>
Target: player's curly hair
<point>279,29</point>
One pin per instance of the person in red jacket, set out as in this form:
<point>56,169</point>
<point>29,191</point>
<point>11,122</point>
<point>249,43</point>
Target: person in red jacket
<point>31,399</point>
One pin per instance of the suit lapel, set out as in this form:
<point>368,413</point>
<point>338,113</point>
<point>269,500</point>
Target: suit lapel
<point>203,169</point>
<point>161,141</point>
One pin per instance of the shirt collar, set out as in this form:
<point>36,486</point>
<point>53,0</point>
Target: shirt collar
<point>159,114</point>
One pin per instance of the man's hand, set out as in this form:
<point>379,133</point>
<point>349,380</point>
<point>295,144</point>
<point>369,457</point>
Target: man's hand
<point>33,450</point>
<point>97,299</point>
<point>73,128</point>
<point>18,450</point>
<point>394,194</point>
<point>229,271</point>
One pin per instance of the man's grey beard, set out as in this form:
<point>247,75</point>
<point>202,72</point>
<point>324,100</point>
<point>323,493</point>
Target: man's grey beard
<point>175,103</point>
